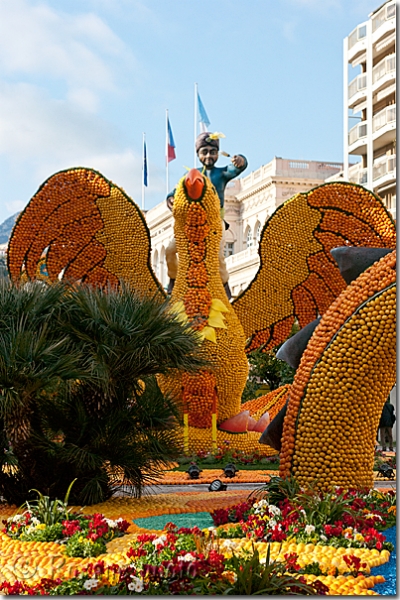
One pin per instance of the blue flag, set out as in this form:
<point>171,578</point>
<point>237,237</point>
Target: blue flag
<point>203,118</point>
<point>144,164</point>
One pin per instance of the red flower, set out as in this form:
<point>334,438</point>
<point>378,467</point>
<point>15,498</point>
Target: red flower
<point>291,562</point>
<point>70,527</point>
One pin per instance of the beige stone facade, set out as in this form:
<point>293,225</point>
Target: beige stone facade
<point>249,201</point>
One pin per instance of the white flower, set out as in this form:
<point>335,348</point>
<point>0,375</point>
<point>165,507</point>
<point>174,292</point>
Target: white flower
<point>309,529</point>
<point>16,518</point>
<point>90,584</point>
<point>159,541</point>
<point>211,528</point>
<point>323,537</point>
<point>30,529</point>
<point>371,516</point>
<point>111,523</point>
<point>303,511</point>
<point>272,522</point>
<point>274,510</point>
<point>136,585</point>
<point>35,521</point>
<point>229,544</point>
<point>188,557</point>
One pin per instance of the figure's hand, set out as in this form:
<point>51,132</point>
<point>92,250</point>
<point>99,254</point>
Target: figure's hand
<point>237,161</point>
<point>170,202</point>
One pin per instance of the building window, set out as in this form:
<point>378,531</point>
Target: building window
<point>229,249</point>
<point>155,263</point>
<point>249,238</point>
<point>258,233</point>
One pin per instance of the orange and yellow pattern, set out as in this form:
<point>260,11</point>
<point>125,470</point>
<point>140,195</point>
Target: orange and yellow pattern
<point>342,383</point>
<point>81,227</point>
<point>298,277</point>
<point>199,297</point>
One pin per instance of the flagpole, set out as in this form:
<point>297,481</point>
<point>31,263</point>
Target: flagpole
<point>143,166</point>
<point>195,121</point>
<point>166,149</point>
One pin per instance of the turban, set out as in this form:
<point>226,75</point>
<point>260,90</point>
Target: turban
<point>204,140</point>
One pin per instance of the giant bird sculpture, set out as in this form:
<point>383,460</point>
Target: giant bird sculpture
<point>80,226</point>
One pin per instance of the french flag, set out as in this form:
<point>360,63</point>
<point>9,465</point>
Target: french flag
<point>170,143</point>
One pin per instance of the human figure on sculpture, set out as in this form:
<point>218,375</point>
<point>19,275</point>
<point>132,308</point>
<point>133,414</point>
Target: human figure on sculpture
<point>207,149</point>
<point>386,423</point>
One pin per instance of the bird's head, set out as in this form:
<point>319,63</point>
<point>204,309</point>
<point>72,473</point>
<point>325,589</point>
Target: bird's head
<point>194,184</point>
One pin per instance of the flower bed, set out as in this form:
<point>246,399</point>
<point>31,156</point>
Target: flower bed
<point>266,542</point>
<point>82,535</point>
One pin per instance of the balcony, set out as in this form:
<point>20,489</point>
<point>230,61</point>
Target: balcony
<point>356,42</point>
<point>357,89</point>
<point>358,138</point>
<point>241,259</point>
<point>383,21</point>
<point>384,73</point>
<point>387,115</point>
<point>384,126</point>
<point>357,174</point>
<point>384,171</point>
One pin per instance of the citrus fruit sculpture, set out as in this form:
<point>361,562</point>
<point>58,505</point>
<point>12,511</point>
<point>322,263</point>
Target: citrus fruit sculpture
<point>345,375</point>
<point>80,226</point>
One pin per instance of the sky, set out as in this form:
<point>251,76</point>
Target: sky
<point>82,80</point>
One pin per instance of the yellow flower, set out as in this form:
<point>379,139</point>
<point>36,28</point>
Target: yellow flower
<point>230,576</point>
<point>41,526</point>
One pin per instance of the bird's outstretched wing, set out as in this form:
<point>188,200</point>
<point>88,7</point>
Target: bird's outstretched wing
<point>298,277</point>
<point>79,226</point>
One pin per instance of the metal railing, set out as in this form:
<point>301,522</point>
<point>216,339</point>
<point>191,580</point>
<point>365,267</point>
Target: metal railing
<point>387,115</point>
<point>357,132</point>
<point>387,65</point>
<point>358,84</point>
<point>380,168</point>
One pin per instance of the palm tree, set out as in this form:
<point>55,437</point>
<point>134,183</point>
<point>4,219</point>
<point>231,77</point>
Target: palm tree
<point>32,358</point>
<point>73,364</point>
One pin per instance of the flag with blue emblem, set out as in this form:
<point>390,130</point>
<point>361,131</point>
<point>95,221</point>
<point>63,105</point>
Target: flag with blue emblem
<point>202,115</point>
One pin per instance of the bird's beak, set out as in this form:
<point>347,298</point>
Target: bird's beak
<point>194,184</point>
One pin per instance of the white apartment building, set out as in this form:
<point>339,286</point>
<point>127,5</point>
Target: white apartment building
<point>249,201</point>
<point>370,104</point>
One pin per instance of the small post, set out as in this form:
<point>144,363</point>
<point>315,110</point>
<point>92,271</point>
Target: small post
<point>214,422</point>
<point>186,432</point>
<point>195,124</point>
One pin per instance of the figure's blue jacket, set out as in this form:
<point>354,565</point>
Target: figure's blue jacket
<point>219,177</point>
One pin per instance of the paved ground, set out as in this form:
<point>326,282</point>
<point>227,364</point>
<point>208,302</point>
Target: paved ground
<point>200,487</point>
<point>203,487</point>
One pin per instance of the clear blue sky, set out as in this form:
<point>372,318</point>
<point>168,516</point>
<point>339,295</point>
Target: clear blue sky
<point>81,80</point>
